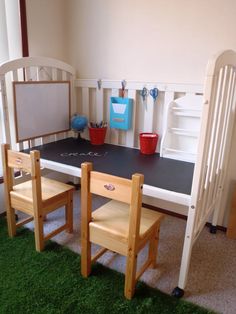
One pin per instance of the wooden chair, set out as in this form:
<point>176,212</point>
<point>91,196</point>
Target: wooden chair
<point>36,197</point>
<point>121,225</point>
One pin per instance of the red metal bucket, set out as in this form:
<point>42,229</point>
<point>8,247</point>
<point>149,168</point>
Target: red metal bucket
<point>97,135</point>
<point>148,143</point>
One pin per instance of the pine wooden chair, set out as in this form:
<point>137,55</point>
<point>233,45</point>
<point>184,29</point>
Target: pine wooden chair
<point>122,225</point>
<point>36,197</point>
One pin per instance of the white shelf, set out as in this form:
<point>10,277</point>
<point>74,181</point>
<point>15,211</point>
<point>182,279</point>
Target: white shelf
<point>179,133</point>
<point>184,132</point>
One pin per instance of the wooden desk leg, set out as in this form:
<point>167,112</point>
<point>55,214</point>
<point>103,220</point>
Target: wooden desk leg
<point>231,229</point>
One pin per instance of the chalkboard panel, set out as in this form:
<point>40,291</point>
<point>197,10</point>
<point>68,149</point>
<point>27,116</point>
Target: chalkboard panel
<point>41,108</point>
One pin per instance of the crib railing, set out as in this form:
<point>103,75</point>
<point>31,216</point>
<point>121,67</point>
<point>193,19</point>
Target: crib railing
<point>91,98</point>
<point>218,115</point>
<point>94,98</point>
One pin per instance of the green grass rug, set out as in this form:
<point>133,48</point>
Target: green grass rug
<point>50,282</point>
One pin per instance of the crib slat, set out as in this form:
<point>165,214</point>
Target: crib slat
<point>148,115</point>
<point>212,150</point>
<point>208,152</point>
<point>15,75</point>
<point>64,76</point>
<point>218,122</point>
<point>48,139</point>
<point>21,145</point>
<point>227,145</point>
<point>5,124</point>
<point>99,105</point>
<point>72,95</point>
<point>114,133</point>
<point>85,108</point>
<point>44,73</point>
<point>54,74</point>
<point>131,132</point>
<point>18,75</point>
<point>32,143</point>
<point>223,133</point>
<point>206,126</point>
<point>72,103</point>
<point>28,75</point>
<point>169,96</point>
<point>38,69</point>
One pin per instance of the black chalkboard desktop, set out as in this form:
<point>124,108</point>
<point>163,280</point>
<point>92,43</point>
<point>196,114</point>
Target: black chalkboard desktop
<point>164,173</point>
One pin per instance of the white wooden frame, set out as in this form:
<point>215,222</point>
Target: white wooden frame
<point>215,135</point>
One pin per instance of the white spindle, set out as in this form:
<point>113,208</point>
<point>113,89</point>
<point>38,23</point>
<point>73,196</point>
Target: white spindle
<point>4,113</point>
<point>218,122</point>
<point>169,96</point>
<point>64,76</point>
<point>131,132</point>
<point>15,75</point>
<point>28,74</point>
<point>48,139</point>
<point>148,115</point>
<point>226,142</point>
<point>85,107</point>
<point>114,133</point>
<point>99,105</point>
<point>54,74</point>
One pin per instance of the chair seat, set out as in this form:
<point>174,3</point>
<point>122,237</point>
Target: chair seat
<point>50,189</point>
<point>121,225</point>
<point>36,197</point>
<point>113,218</point>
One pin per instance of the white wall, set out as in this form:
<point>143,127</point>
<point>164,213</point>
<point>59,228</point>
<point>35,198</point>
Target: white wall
<point>163,40</point>
<point>47,28</point>
<point>154,40</point>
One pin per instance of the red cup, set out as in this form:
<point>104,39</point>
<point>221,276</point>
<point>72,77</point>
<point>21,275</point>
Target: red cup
<point>148,143</point>
<point>97,135</point>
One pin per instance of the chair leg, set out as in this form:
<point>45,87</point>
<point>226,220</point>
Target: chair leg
<point>130,274</point>
<point>153,247</point>
<point>69,212</point>
<point>11,221</point>
<point>38,232</point>
<point>85,257</point>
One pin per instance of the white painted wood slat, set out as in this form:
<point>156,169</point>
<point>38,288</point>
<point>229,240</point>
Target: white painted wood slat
<point>131,131</point>
<point>99,105</point>
<point>114,133</point>
<point>85,108</point>
<point>148,115</point>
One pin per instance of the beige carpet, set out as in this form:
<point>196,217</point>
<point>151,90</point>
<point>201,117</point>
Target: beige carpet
<point>212,276</point>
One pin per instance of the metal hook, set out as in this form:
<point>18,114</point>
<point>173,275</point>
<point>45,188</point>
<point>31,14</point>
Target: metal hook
<point>99,82</point>
<point>123,84</point>
<point>154,93</point>
<point>144,93</point>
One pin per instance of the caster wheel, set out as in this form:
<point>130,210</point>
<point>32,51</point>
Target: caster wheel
<point>177,293</point>
<point>213,229</point>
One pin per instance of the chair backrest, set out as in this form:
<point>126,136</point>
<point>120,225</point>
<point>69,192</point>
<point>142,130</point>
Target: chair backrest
<point>115,188</point>
<point>29,163</point>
